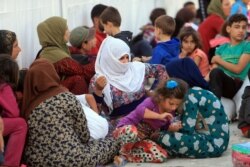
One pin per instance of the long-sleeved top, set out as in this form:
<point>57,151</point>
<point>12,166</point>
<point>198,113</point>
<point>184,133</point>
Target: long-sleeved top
<point>137,116</point>
<point>125,102</point>
<point>164,52</point>
<point>8,102</point>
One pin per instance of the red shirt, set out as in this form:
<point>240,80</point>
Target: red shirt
<point>209,29</point>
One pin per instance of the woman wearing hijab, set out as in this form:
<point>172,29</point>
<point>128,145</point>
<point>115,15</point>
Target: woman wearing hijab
<point>58,133</point>
<point>9,43</point>
<point>126,81</point>
<point>218,11</point>
<point>53,35</point>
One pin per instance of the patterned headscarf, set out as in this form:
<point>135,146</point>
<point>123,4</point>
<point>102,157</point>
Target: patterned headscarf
<point>215,7</point>
<point>7,39</point>
<point>51,36</point>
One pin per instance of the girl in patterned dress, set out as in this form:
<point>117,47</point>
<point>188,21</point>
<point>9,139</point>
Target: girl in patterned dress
<point>212,138</point>
<point>153,114</point>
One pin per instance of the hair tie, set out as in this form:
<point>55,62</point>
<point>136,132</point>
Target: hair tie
<point>171,84</point>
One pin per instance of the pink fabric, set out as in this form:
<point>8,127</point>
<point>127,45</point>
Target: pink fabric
<point>209,29</point>
<point>218,41</point>
<point>204,64</point>
<point>8,102</point>
<point>14,127</point>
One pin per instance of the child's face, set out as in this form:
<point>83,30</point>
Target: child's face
<point>170,104</point>
<point>108,28</point>
<point>157,33</point>
<point>246,1</point>
<point>237,30</point>
<point>188,44</point>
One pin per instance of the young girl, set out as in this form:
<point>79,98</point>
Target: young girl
<point>190,46</point>
<point>14,126</point>
<point>154,113</point>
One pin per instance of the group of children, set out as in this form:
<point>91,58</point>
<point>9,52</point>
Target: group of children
<point>154,127</point>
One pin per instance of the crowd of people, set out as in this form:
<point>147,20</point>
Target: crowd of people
<point>115,97</point>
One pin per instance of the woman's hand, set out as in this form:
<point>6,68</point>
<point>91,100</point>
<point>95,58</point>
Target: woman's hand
<point>100,82</point>
<point>175,127</point>
<point>1,135</point>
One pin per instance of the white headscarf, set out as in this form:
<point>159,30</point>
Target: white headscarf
<point>126,77</point>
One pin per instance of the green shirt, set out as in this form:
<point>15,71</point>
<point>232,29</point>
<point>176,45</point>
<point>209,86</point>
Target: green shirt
<point>232,55</point>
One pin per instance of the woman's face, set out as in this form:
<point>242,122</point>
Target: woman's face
<point>226,7</point>
<point>124,59</point>
<point>15,50</point>
<point>66,35</point>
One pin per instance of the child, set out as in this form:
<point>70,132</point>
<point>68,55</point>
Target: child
<point>153,114</point>
<point>15,127</point>
<point>240,6</point>
<point>190,46</point>
<point>232,60</point>
<point>111,21</point>
<point>167,49</point>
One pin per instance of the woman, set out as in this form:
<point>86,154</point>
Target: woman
<point>126,80</point>
<point>58,133</point>
<point>9,43</point>
<point>205,131</point>
<point>53,35</point>
<point>218,11</point>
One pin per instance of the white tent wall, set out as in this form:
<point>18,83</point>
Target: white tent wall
<point>23,16</point>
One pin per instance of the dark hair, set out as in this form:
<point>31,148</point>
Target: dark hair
<point>21,78</point>
<point>111,14</point>
<point>97,10</point>
<point>166,24</point>
<point>187,4</point>
<point>189,31</point>
<point>156,13</point>
<point>9,70</point>
<point>236,18</point>
<point>7,39</point>
<point>183,16</point>
<point>162,92</point>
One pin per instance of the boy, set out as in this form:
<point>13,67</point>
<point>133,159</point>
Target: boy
<point>166,49</point>
<point>111,21</point>
<point>231,60</point>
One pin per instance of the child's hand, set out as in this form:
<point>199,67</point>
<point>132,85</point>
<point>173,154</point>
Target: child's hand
<point>216,60</point>
<point>175,127</point>
<point>183,53</point>
<point>165,116</point>
<point>100,82</point>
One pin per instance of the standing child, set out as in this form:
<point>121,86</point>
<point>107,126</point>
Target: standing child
<point>232,60</point>
<point>153,114</point>
<point>190,46</point>
<point>14,126</point>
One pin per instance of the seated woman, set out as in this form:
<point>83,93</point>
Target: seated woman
<point>125,88</point>
<point>53,35</point>
<point>203,111</point>
<point>58,133</point>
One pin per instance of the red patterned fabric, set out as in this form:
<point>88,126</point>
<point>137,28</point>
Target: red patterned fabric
<point>74,76</point>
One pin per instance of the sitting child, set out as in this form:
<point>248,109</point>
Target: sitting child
<point>153,114</point>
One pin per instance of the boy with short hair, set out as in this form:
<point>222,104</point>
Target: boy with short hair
<point>231,60</point>
<point>111,21</point>
<point>166,49</point>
